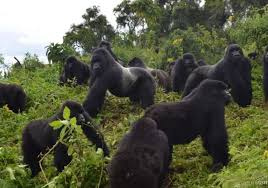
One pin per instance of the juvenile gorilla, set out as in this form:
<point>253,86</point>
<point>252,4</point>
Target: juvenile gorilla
<point>199,113</point>
<point>14,96</point>
<point>265,74</point>
<point>234,70</point>
<point>38,136</point>
<point>74,68</point>
<point>182,69</point>
<point>161,76</point>
<point>141,160</point>
<point>135,83</point>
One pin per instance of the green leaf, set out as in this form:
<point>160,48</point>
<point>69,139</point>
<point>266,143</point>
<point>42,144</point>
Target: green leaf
<point>73,122</point>
<point>66,113</point>
<point>56,124</point>
<point>11,173</point>
<point>70,150</point>
<point>63,132</point>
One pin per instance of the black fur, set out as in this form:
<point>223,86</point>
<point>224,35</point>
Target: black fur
<point>38,135</point>
<point>253,55</point>
<point>14,96</point>
<point>141,160</point>
<point>201,62</point>
<point>199,113</point>
<point>162,77</point>
<point>182,69</point>
<point>74,68</point>
<point>234,70</point>
<point>135,83</point>
<point>108,46</point>
<point>265,74</point>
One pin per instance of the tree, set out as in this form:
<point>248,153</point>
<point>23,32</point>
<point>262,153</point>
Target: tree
<point>88,34</point>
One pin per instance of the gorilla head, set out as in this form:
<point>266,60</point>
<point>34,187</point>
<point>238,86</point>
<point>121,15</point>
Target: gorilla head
<point>101,62</point>
<point>38,136</point>
<point>136,62</point>
<point>142,157</point>
<point>233,53</point>
<point>182,69</point>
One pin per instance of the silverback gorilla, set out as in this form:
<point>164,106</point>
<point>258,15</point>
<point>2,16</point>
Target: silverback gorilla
<point>265,74</point>
<point>234,70</point>
<point>199,113</point>
<point>141,160</point>
<point>161,76</point>
<point>38,136</point>
<point>135,83</point>
<point>14,96</point>
<point>181,70</point>
<point>74,68</point>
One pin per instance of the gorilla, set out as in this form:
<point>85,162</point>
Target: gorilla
<point>182,69</point>
<point>253,55</point>
<point>265,74</point>
<point>199,113</point>
<point>74,68</point>
<point>108,46</point>
<point>38,135</point>
<point>201,62</point>
<point>142,157</point>
<point>135,83</point>
<point>161,76</point>
<point>234,70</point>
<point>14,96</point>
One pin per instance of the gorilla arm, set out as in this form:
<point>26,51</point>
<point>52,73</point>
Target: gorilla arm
<point>95,137</point>
<point>240,82</point>
<point>95,97</point>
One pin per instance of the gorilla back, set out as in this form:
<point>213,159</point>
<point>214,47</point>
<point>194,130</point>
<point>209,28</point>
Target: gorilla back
<point>200,113</point>
<point>135,83</point>
<point>234,69</point>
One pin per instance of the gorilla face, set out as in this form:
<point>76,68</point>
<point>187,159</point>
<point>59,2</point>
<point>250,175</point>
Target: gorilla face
<point>214,89</point>
<point>234,52</point>
<point>77,111</point>
<point>189,62</point>
<point>98,64</point>
<point>136,62</point>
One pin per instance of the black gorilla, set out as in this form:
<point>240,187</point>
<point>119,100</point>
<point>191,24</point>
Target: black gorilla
<point>234,69</point>
<point>253,55</point>
<point>201,62</point>
<point>199,113</point>
<point>182,69</point>
<point>38,135</point>
<point>74,68</point>
<point>135,83</point>
<point>142,157</point>
<point>265,74</point>
<point>161,76</point>
<point>14,96</point>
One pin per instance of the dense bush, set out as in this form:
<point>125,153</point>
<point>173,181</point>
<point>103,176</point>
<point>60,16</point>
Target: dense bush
<point>205,44</point>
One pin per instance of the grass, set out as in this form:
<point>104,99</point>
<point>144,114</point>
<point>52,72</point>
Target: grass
<point>247,129</point>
